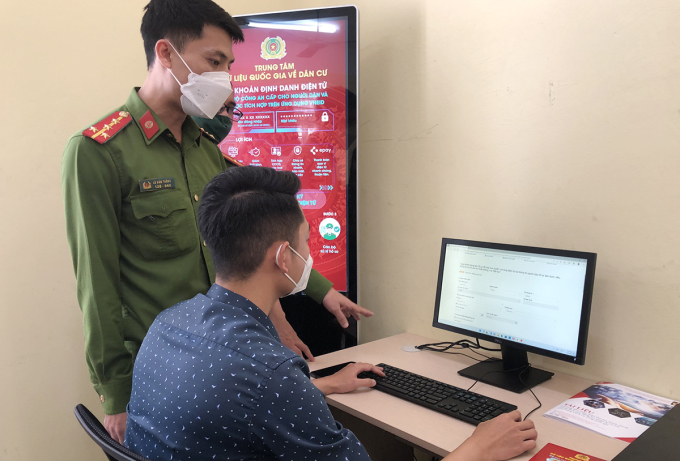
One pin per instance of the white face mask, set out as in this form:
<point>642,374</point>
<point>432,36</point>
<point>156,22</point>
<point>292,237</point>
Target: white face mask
<point>203,95</point>
<point>304,278</point>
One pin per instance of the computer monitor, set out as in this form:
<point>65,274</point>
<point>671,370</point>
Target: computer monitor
<point>526,299</point>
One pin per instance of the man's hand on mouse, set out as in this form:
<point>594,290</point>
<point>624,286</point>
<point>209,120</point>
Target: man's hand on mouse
<point>347,380</point>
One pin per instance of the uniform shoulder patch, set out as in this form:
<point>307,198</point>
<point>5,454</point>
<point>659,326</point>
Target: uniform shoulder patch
<point>211,137</point>
<point>232,161</point>
<point>227,158</point>
<point>108,127</point>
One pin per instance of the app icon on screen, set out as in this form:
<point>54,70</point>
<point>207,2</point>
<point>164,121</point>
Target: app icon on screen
<point>329,229</point>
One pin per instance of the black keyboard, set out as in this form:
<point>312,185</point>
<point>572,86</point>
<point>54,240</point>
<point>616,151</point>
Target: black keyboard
<point>451,400</point>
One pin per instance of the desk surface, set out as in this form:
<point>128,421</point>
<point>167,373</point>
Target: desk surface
<point>441,434</point>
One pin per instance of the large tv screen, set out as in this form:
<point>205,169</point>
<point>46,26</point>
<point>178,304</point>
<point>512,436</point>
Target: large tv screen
<point>295,80</point>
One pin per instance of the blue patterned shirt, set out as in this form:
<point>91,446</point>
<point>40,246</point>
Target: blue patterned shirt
<point>212,381</point>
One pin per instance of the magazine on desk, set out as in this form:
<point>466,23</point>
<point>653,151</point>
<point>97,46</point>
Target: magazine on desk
<point>613,410</point>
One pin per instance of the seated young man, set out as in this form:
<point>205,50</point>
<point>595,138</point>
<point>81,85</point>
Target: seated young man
<point>212,380</point>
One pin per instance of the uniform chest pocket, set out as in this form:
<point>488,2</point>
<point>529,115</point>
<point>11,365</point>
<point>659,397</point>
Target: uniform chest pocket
<point>164,226</point>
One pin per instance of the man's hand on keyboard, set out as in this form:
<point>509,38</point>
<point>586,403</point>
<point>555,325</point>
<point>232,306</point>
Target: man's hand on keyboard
<point>504,437</point>
<point>346,380</point>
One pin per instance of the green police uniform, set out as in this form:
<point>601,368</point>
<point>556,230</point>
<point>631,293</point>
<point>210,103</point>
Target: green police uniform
<point>131,194</point>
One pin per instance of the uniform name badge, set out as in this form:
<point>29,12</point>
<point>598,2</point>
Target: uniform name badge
<point>150,185</point>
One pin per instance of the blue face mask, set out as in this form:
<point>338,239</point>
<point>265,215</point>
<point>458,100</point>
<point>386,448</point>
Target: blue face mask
<point>217,128</point>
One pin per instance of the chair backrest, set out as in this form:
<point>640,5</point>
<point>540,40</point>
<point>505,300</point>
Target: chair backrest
<point>113,450</point>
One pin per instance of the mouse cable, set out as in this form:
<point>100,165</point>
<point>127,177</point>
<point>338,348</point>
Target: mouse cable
<point>524,369</point>
<point>532,393</point>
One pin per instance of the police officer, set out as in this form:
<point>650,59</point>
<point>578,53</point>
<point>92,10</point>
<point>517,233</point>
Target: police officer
<point>132,183</point>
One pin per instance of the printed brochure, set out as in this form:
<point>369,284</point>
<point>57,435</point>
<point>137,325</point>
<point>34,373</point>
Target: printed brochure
<point>613,410</point>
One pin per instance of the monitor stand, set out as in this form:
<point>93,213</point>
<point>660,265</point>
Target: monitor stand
<point>512,373</point>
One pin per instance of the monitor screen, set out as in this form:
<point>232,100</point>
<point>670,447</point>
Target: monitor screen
<point>295,79</point>
<point>531,298</point>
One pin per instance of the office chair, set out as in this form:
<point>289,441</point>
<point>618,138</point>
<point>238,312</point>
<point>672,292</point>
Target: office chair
<point>113,450</point>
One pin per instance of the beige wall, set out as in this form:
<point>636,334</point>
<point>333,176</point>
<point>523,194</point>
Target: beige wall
<point>547,123</point>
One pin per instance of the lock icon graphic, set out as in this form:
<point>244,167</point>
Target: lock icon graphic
<point>324,117</point>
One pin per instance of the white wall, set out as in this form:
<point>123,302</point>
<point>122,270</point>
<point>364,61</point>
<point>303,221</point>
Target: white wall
<point>547,123</point>
<point>551,124</point>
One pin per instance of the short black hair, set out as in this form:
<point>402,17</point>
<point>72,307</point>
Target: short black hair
<point>243,211</point>
<point>182,21</point>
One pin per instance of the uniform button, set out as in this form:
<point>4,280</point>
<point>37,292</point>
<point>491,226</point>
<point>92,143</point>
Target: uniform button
<point>102,398</point>
<point>205,244</point>
<point>196,197</point>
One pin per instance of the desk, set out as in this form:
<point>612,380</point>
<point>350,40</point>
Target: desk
<point>441,434</point>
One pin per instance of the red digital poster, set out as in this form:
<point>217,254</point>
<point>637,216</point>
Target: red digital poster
<point>291,86</point>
